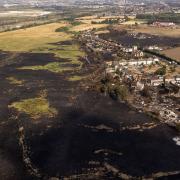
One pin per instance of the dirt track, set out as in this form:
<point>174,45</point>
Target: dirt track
<point>92,136</point>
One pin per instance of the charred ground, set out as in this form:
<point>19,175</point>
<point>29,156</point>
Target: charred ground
<point>92,136</point>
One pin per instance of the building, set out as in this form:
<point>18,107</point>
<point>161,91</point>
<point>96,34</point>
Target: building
<point>138,54</point>
<point>156,81</point>
<point>155,48</point>
<point>163,24</point>
<point>139,62</point>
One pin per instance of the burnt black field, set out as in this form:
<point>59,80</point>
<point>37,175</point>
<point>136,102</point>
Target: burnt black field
<point>127,39</point>
<point>92,136</point>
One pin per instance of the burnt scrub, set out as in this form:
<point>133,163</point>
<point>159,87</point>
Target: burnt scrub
<point>128,39</point>
<point>90,136</point>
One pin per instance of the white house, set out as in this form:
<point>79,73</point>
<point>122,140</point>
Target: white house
<point>139,62</point>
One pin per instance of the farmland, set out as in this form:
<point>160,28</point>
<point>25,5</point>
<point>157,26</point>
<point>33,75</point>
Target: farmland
<point>87,26</point>
<point>158,31</point>
<point>27,13</point>
<point>32,39</point>
<point>173,53</point>
<point>146,29</point>
<point>41,39</point>
<point>134,21</point>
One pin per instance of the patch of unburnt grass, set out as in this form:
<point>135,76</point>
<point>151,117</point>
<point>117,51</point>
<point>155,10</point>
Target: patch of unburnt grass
<point>55,67</point>
<point>70,52</point>
<point>14,81</point>
<point>76,78</point>
<point>61,43</point>
<point>35,107</point>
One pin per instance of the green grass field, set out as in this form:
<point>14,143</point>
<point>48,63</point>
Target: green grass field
<point>42,39</point>
<point>35,107</point>
<point>55,67</point>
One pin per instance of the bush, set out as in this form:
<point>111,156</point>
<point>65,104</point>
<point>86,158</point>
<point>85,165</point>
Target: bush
<point>106,79</point>
<point>62,29</point>
<point>118,91</point>
<point>161,71</point>
<point>76,23</point>
<point>121,92</point>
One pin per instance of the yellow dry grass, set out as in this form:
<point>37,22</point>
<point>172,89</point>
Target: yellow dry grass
<point>102,32</point>
<point>14,81</point>
<point>160,31</point>
<point>133,22</point>
<point>86,18</point>
<point>87,26</point>
<point>88,21</point>
<point>40,39</point>
<point>32,38</point>
<point>173,53</point>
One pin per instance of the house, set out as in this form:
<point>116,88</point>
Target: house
<point>173,80</point>
<point>127,50</point>
<point>155,48</point>
<point>109,63</point>
<point>177,78</point>
<point>138,54</point>
<point>139,62</point>
<point>170,80</point>
<point>163,24</point>
<point>156,81</point>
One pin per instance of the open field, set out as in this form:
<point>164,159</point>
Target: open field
<point>35,107</point>
<point>143,40</point>
<point>134,21</point>
<point>31,39</point>
<point>102,17</point>
<point>90,19</point>
<point>27,13</point>
<point>173,53</point>
<point>160,31</point>
<point>88,26</point>
<point>55,67</point>
<point>102,32</point>
<point>157,31</point>
<point>41,39</point>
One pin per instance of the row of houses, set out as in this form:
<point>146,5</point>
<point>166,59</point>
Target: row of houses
<point>122,67</point>
<point>94,43</point>
<point>164,24</point>
<point>133,62</point>
<point>159,80</point>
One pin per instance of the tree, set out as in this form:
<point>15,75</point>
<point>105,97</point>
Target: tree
<point>121,91</point>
